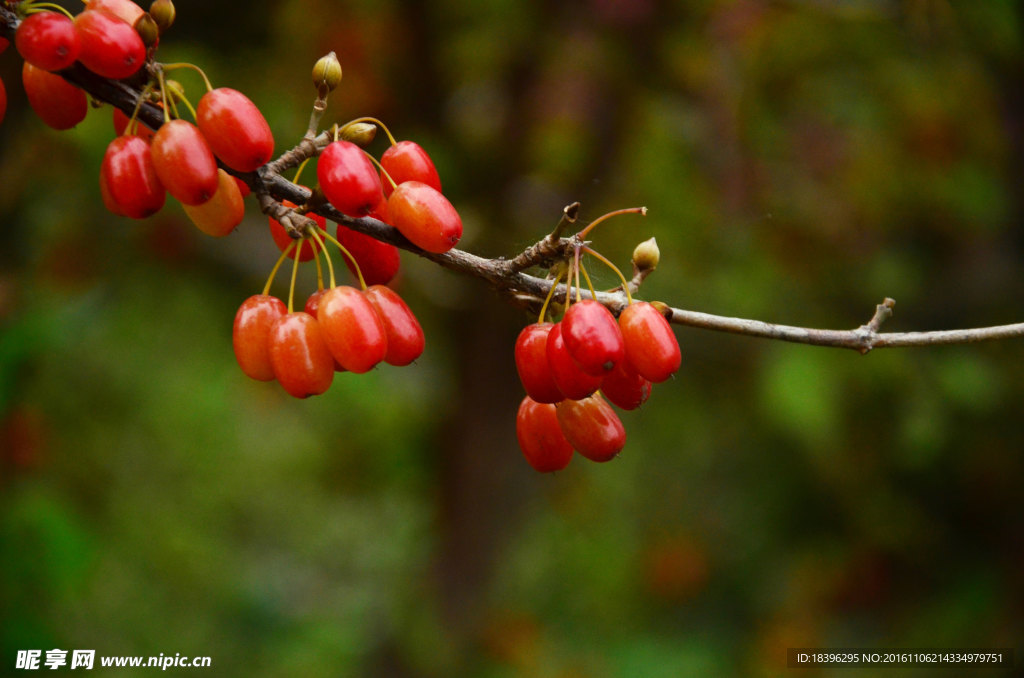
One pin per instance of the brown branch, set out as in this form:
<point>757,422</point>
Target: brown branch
<point>507,276</point>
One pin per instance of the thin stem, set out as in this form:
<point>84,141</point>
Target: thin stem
<point>600,257</point>
<point>628,210</point>
<point>298,172</point>
<point>576,264</point>
<point>163,92</point>
<point>319,107</point>
<point>188,105</point>
<point>382,170</point>
<point>590,285</point>
<point>319,266</point>
<point>291,288</point>
<point>44,6</point>
<point>376,122</point>
<point>551,294</point>
<point>133,122</point>
<point>174,67</point>
<point>327,256</point>
<point>280,260</point>
<point>347,254</point>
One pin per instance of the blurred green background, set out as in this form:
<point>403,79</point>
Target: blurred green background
<point>801,160</point>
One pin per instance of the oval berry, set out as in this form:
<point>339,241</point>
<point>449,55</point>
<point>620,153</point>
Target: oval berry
<point>47,40</point>
<point>126,10</point>
<point>531,354</point>
<point>251,334</point>
<point>407,161</point>
<point>307,249</point>
<point>425,217</point>
<point>592,427</point>
<point>540,436</point>
<point>348,178</point>
<point>3,44</point>
<point>651,345</point>
<point>219,215</point>
<point>3,100</point>
<point>573,382</point>
<point>625,388</point>
<point>184,162</point>
<point>130,178</point>
<point>56,101</point>
<point>237,132</point>
<point>299,356</point>
<point>352,329</point>
<point>404,335</point>
<point>110,47</point>
<point>592,337</point>
<point>378,261</point>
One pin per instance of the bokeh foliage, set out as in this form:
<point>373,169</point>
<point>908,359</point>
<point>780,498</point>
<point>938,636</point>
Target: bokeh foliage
<point>800,160</point>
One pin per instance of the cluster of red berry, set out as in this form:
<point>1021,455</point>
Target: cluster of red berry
<point>114,39</point>
<point>572,368</point>
<point>109,37</point>
<point>343,328</point>
<point>340,329</point>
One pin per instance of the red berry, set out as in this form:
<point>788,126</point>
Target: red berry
<point>127,10</point>
<point>404,334</point>
<point>251,334</point>
<point>540,437</point>
<point>573,382</point>
<point>110,46</point>
<point>312,306</point>
<point>3,100</point>
<point>625,388</point>
<point>237,132</point>
<point>47,40</point>
<point>425,217</point>
<point>531,355</point>
<point>300,358</point>
<point>130,179</point>
<point>348,178</point>
<point>378,261</point>
<point>407,161</point>
<point>592,337</point>
<point>307,248</point>
<point>184,162</point>
<point>56,101</point>
<point>592,427</point>
<point>3,44</point>
<point>651,345</point>
<point>219,215</point>
<point>352,329</point>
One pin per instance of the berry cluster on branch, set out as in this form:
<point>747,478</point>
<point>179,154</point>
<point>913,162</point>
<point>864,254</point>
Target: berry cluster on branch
<point>107,53</point>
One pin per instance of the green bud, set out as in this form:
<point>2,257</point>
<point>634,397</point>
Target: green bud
<point>359,133</point>
<point>646,255</point>
<point>147,29</point>
<point>327,72</point>
<point>163,13</point>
